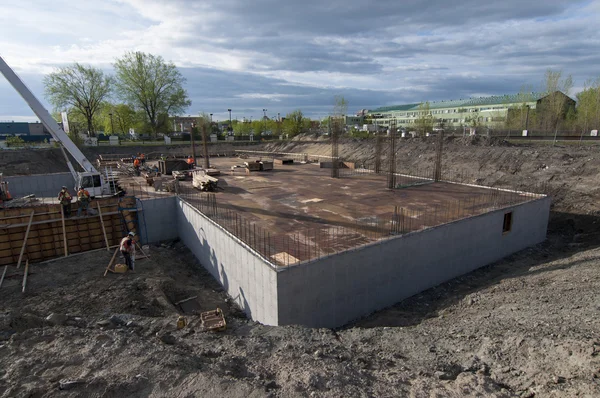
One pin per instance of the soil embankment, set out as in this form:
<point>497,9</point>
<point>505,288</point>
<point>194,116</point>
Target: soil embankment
<point>523,327</point>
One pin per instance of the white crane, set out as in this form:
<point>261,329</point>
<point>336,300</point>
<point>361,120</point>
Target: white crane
<point>90,178</point>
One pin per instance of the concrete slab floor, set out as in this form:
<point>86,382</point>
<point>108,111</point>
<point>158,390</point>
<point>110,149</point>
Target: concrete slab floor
<point>301,198</point>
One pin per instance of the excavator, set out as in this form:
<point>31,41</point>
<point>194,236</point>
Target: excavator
<point>90,178</point>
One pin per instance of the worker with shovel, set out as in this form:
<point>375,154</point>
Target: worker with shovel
<point>128,250</point>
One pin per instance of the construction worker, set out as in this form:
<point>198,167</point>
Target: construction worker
<point>128,250</point>
<point>136,166</point>
<point>143,159</point>
<point>190,162</point>
<point>83,198</point>
<point>163,157</point>
<point>64,197</point>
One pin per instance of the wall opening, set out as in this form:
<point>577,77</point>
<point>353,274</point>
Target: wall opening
<point>507,225</point>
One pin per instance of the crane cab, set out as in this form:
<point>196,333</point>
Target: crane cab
<point>92,182</point>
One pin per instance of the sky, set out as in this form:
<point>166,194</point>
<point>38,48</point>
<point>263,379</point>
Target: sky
<point>285,55</point>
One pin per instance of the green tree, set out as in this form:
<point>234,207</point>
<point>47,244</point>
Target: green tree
<point>424,123</point>
<point>123,118</point>
<point>150,84</point>
<point>15,141</point>
<point>588,106</point>
<point>79,88</point>
<point>293,123</point>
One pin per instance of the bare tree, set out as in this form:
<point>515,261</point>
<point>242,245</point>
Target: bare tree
<point>554,105</point>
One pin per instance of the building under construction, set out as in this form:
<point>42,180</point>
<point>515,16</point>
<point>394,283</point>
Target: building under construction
<point>293,245</point>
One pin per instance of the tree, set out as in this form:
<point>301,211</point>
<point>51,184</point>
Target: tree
<point>517,116</point>
<point>123,118</point>
<point>588,106</point>
<point>554,105</point>
<point>424,122</point>
<point>148,83</point>
<point>78,87</point>
<point>293,123</point>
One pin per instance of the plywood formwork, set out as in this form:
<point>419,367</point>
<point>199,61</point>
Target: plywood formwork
<point>47,237</point>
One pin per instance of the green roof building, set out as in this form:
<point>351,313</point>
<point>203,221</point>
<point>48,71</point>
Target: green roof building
<point>490,112</point>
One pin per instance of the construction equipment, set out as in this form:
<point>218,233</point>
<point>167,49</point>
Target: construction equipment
<point>90,179</point>
<point>202,181</point>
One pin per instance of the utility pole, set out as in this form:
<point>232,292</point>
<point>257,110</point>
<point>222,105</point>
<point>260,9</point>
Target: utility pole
<point>230,125</point>
<point>265,121</point>
<point>112,126</point>
<point>205,143</point>
<point>192,140</point>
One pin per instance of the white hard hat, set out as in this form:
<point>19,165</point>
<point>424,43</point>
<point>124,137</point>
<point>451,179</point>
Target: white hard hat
<point>131,234</point>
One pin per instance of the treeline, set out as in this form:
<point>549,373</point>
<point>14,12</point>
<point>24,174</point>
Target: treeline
<point>142,93</point>
<point>557,112</point>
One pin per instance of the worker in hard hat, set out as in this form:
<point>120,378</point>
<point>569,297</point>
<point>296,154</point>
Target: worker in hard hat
<point>83,198</point>
<point>128,250</point>
<point>65,198</point>
<point>190,162</point>
<point>136,166</point>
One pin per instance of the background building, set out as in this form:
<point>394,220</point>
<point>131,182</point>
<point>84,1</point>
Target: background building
<point>490,112</point>
<point>29,132</point>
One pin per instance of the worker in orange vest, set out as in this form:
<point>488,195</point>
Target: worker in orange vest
<point>143,159</point>
<point>83,198</point>
<point>136,166</point>
<point>64,197</point>
<point>190,162</point>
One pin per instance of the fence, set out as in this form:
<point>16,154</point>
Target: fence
<point>319,240</point>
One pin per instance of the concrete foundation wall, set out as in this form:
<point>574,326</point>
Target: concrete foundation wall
<point>247,278</point>
<point>335,290</point>
<point>41,185</point>
<point>158,219</point>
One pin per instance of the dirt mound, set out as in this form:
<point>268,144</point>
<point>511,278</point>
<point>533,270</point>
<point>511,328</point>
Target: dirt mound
<point>477,140</point>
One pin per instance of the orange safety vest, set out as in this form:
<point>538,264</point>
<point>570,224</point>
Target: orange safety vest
<point>142,156</point>
<point>136,163</point>
<point>83,194</point>
<point>190,161</point>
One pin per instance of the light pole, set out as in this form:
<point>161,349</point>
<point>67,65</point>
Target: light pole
<point>112,126</point>
<point>265,120</point>
<point>230,125</point>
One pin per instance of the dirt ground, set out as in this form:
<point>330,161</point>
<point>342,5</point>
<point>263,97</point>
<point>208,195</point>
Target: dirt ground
<point>525,326</point>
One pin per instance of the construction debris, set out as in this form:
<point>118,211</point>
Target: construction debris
<point>204,182</point>
<point>213,320</point>
<point>283,161</point>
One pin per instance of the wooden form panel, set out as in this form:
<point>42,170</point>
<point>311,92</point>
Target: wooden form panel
<point>45,240</point>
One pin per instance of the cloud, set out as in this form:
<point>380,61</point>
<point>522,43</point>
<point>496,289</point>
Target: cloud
<point>289,55</point>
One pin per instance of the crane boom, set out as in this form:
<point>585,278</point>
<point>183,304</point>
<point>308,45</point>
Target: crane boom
<point>48,121</point>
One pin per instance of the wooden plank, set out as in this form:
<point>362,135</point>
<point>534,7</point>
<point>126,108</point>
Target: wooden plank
<point>111,261</point>
<point>62,217</point>
<point>25,240</point>
<point>3,273</point>
<point>25,275</point>
<point>53,220</point>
